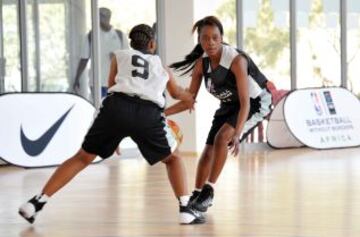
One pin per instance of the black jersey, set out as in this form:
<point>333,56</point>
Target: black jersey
<point>221,81</point>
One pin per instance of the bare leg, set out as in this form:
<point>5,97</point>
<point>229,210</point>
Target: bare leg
<point>177,177</point>
<point>67,170</point>
<point>210,167</point>
<point>204,166</point>
<point>177,174</point>
<point>220,151</point>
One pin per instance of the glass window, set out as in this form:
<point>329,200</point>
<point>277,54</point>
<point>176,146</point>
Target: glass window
<point>58,42</point>
<point>318,43</point>
<point>225,10</point>
<point>266,38</point>
<point>11,49</point>
<point>128,13</point>
<point>353,50</point>
<point>47,46</point>
<point>54,30</point>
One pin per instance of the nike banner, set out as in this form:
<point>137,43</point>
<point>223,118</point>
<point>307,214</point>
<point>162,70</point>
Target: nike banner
<point>320,118</point>
<point>42,129</point>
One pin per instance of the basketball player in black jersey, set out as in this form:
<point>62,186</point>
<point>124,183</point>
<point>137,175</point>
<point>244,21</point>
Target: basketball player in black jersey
<point>134,107</point>
<point>232,77</point>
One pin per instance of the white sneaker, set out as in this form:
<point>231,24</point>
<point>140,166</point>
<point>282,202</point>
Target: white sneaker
<point>188,216</point>
<point>30,209</point>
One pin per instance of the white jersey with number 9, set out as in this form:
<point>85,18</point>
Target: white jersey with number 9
<point>141,75</point>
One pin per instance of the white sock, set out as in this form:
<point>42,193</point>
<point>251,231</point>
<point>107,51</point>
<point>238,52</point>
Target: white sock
<point>184,200</point>
<point>211,184</point>
<point>43,197</point>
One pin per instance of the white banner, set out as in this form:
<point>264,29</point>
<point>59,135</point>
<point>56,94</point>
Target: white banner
<point>324,117</point>
<point>42,129</point>
<point>320,118</point>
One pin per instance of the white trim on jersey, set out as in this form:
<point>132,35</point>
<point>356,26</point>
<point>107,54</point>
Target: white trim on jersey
<point>265,103</point>
<point>254,89</point>
<point>141,75</point>
<point>228,55</point>
<point>170,137</point>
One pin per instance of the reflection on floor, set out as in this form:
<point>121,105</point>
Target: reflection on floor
<point>264,192</point>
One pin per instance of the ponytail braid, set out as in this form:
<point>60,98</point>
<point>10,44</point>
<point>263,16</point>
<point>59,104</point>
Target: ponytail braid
<point>189,62</point>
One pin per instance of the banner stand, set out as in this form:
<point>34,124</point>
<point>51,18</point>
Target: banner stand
<point>320,118</point>
<point>44,129</point>
<point>277,133</point>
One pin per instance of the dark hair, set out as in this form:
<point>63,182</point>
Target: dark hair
<point>140,36</point>
<point>189,62</point>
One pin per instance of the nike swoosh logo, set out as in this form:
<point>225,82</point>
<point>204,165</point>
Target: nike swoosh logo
<point>35,147</point>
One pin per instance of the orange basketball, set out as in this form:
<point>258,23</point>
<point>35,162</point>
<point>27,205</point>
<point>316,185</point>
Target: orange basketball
<point>175,129</point>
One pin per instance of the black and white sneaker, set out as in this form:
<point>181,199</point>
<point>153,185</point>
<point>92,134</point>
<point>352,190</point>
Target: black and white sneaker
<point>30,209</point>
<point>205,199</point>
<point>189,216</point>
<point>194,195</point>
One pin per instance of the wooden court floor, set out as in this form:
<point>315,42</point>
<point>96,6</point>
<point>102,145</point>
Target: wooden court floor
<point>262,193</point>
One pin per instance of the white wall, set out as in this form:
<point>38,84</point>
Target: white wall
<point>178,40</point>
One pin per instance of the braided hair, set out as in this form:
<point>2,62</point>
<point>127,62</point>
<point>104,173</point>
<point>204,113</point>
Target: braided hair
<point>188,63</point>
<point>140,36</point>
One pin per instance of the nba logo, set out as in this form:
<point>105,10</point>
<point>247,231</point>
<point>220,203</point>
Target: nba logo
<point>317,103</point>
<point>329,102</point>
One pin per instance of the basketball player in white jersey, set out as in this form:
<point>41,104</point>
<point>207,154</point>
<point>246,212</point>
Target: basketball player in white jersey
<point>134,107</point>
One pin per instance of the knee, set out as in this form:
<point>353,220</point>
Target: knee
<point>221,139</point>
<point>171,158</point>
<point>85,158</point>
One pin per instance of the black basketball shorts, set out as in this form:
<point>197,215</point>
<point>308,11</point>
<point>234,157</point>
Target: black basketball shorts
<point>260,107</point>
<point>123,116</point>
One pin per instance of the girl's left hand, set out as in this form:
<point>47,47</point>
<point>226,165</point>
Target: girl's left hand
<point>235,144</point>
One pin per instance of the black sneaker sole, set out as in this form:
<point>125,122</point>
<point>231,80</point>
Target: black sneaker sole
<point>30,219</point>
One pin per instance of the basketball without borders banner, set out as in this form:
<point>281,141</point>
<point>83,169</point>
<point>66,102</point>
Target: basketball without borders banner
<point>320,118</point>
<point>324,117</point>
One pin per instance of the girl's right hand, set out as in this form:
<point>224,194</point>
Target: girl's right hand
<point>234,145</point>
